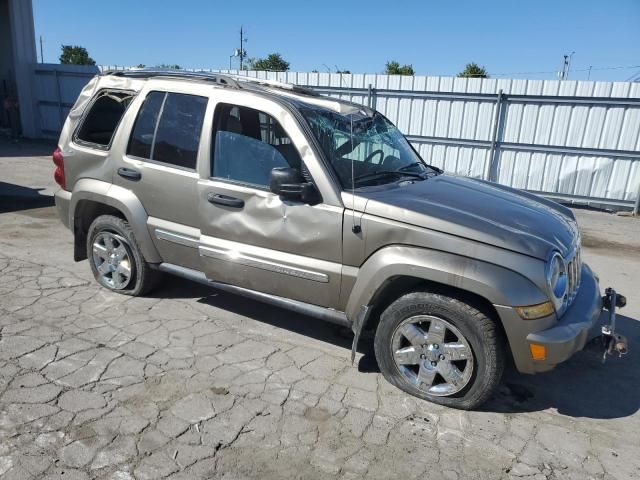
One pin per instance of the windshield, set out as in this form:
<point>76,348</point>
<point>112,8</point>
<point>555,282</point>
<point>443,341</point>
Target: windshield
<point>368,148</point>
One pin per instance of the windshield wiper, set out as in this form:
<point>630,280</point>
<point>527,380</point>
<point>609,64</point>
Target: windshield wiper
<point>411,165</point>
<point>386,173</point>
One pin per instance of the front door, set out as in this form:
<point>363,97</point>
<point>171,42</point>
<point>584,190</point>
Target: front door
<point>250,236</point>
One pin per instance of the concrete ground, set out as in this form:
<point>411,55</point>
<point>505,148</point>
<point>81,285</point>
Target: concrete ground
<point>195,383</point>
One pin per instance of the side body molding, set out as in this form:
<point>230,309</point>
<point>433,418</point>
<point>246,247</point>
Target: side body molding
<point>122,199</point>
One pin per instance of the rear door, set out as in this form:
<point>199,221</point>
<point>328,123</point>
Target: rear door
<point>250,236</point>
<point>160,166</point>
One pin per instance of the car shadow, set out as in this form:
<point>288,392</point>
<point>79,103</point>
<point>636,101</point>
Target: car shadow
<point>262,312</point>
<point>26,148</point>
<point>581,387</point>
<point>14,198</point>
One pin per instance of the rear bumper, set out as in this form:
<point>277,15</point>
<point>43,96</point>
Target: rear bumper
<point>63,201</point>
<point>562,338</point>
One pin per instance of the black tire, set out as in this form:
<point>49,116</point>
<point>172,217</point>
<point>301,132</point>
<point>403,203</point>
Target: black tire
<point>481,333</point>
<point>143,278</point>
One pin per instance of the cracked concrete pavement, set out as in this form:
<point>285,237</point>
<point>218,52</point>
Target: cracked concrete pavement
<point>195,383</point>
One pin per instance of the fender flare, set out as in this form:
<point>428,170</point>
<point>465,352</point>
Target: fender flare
<point>496,284</point>
<point>123,200</point>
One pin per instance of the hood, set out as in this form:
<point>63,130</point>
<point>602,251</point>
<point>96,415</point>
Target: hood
<point>478,210</point>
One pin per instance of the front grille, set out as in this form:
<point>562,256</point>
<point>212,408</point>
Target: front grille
<point>574,270</point>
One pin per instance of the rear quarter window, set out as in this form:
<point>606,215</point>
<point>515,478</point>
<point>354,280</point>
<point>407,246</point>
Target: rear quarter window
<point>101,121</point>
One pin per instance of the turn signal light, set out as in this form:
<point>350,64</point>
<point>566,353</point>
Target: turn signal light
<point>538,352</point>
<point>531,312</point>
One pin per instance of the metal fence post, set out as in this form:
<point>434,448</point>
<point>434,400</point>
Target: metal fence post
<point>491,173</point>
<point>371,97</point>
<point>636,208</point>
<point>60,113</point>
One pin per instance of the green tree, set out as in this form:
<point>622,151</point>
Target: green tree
<point>167,66</point>
<point>75,55</point>
<point>393,68</point>
<point>141,65</point>
<point>274,63</point>
<point>474,70</point>
<point>343,71</point>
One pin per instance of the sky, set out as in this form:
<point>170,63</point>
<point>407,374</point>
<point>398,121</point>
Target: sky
<point>519,39</point>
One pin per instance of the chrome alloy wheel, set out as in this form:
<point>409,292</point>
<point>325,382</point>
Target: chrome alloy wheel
<point>432,355</point>
<point>112,260</point>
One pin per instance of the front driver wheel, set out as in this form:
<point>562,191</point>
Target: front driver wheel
<point>440,349</point>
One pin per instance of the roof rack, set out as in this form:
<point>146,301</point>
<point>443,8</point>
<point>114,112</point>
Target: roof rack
<point>224,79</point>
<point>272,83</point>
<point>220,79</point>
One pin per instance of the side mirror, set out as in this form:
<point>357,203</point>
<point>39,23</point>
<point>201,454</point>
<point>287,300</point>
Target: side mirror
<point>289,183</point>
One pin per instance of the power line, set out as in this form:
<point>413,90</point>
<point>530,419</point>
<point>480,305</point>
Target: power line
<point>590,69</point>
<point>627,67</point>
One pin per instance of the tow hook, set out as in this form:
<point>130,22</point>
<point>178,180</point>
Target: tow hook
<point>612,341</point>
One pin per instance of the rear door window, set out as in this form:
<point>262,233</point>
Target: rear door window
<point>168,129</point>
<point>141,139</point>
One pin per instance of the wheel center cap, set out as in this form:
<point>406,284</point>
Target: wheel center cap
<point>432,352</point>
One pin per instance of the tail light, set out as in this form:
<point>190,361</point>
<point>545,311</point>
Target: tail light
<point>58,174</point>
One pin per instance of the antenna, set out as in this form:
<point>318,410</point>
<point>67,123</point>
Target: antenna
<point>354,228</point>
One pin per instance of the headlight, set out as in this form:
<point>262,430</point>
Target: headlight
<point>557,277</point>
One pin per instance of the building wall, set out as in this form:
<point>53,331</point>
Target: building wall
<point>18,58</point>
<point>7,78</point>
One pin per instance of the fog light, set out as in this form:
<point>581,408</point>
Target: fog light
<point>538,352</point>
<point>531,312</point>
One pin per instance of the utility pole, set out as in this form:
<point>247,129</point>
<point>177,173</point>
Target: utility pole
<point>566,65</point>
<point>41,56</point>
<point>242,52</point>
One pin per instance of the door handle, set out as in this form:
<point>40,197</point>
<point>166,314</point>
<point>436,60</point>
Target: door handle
<point>129,174</point>
<point>225,200</point>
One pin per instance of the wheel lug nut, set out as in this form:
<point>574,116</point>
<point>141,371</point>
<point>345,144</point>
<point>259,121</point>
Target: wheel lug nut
<point>422,356</point>
<point>436,346</point>
<point>441,357</point>
<point>433,364</point>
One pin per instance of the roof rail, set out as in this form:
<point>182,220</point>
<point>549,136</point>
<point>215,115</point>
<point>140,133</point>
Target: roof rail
<point>220,79</point>
<point>224,79</point>
<point>272,83</point>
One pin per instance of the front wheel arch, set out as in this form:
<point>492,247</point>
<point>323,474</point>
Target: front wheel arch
<point>398,286</point>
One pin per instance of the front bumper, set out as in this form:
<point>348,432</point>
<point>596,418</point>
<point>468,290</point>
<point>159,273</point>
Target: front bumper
<point>561,338</point>
<point>580,323</point>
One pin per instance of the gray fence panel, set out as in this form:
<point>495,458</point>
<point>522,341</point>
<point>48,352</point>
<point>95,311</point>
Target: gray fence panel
<point>57,87</point>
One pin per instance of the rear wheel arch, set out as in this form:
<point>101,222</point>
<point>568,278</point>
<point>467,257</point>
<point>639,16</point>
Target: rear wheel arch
<point>85,212</point>
<point>92,198</point>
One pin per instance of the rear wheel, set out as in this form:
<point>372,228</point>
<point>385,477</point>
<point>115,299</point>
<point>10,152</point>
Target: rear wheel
<point>440,349</point>
<point>115,258</point>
